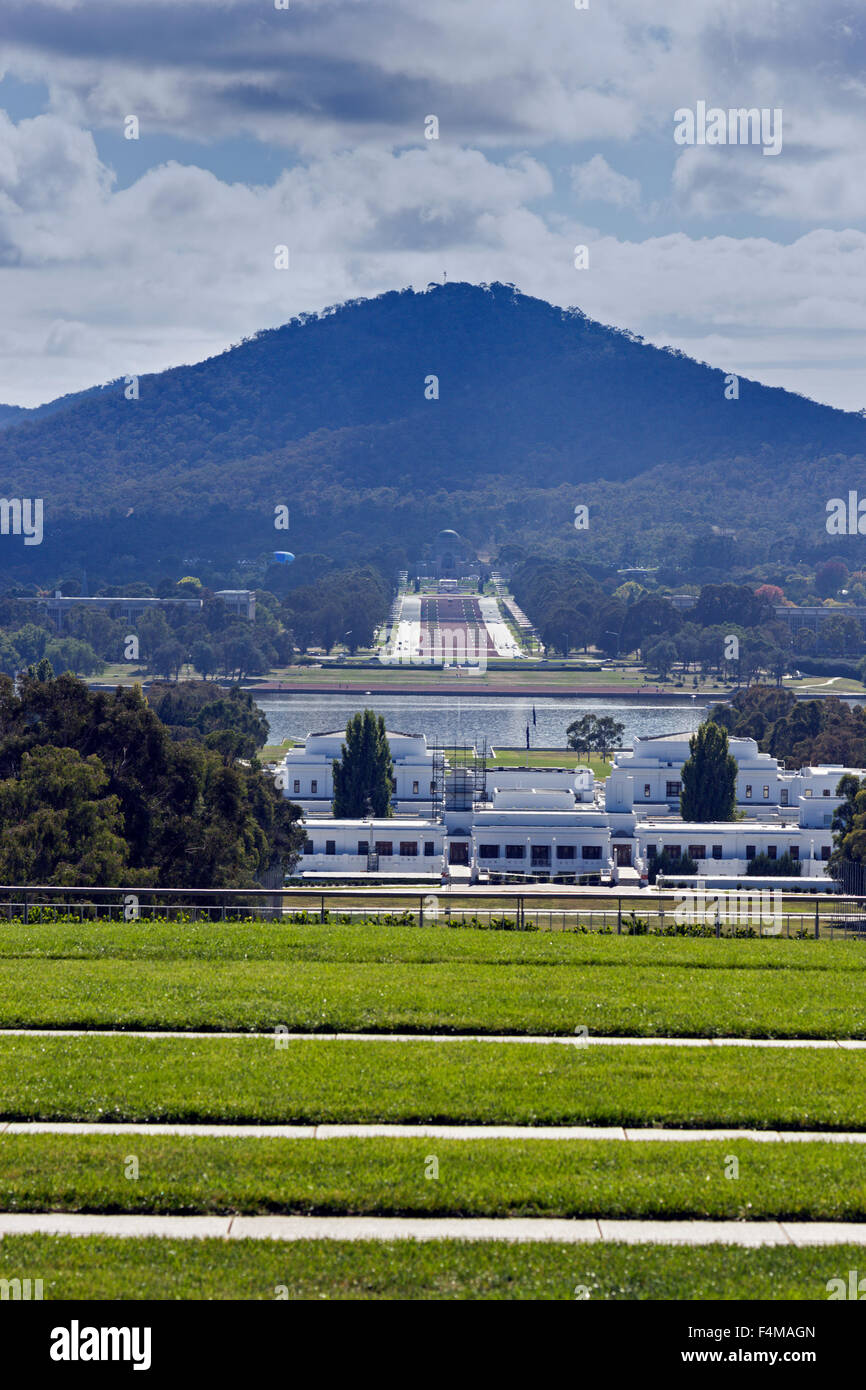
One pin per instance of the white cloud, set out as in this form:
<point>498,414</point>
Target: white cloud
<point>596,181</point>
<point>106,282</point>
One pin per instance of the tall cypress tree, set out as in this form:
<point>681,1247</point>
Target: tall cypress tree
<point>709,777</point>
<point>364,776</point>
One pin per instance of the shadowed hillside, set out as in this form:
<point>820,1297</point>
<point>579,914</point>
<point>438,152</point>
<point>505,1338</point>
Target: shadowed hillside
<point>538,408</point>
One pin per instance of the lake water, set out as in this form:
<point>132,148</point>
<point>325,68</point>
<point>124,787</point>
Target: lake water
<point>501,720</point>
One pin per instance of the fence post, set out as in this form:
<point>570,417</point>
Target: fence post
<point>322,909</point>
<point>817,909</point>
<point>26,908</point>
<point>420,912</point>
<point>619,916</point>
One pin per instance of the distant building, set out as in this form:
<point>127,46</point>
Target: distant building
<point>452,558</point>
<point>131,606</point>
<point>241,602</point>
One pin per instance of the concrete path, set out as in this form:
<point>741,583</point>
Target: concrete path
<point>432,1131</point>
<point>572,1232</point>
<point>581,1040</point>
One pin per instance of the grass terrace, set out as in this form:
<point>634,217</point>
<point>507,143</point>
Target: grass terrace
<point>106,978</point>
<point>78,1267</point>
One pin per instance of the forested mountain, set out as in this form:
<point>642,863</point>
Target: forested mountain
<point>538,409</point>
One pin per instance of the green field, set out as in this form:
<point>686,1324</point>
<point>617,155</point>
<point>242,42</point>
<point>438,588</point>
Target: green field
<point>388,1177</point>
<point>74,1267</point>
<point>317,1081</point>
<point>360,942</point>
<point>434,996</point>
<point>375,979</point>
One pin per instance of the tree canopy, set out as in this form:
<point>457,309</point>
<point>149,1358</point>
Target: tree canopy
<point>364,776</point>
<point>709,777</point>
<point>96,786</point>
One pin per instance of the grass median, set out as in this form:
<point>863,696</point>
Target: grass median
<point>462,1082</point>
<point>453,997</point>
<point>742,1180</point>
<point>96,1267</point>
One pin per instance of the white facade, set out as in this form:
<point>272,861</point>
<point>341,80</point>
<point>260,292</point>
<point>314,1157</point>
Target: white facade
<point>556,823</point>
<point>306,774</point>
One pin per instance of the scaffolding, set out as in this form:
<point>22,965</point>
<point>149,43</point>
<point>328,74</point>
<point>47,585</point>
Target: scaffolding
<point>466,778</point>
<point>459,780</point>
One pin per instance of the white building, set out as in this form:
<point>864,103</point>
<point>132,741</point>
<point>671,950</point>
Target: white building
<point>306,774</point>
<point>764,790</point>
<point>555,823</point>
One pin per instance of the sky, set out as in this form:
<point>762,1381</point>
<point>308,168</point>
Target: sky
<point>306,126</point>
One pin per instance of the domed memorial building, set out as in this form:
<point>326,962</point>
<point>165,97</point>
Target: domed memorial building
<point>451,557</point>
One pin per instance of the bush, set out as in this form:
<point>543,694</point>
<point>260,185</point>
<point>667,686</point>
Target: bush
<point>670,864</point>
<point>785,867</point>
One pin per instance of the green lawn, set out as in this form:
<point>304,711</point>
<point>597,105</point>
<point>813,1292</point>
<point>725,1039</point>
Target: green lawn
<point>76,1267</point>
<point>316,1080</point>
<point>546,757</point>
<point>443,996</point>
<point>505,1177</point>
<point>280,940</point>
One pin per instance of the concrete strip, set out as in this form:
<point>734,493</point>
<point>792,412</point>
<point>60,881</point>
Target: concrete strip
<point>538,1039</point>
<point>61,1223</point>
<point>468,1132</point>
<point>750,1233</point>
<point>434,1131</point>
<point>390,1228</point>
<point>824,1232</point>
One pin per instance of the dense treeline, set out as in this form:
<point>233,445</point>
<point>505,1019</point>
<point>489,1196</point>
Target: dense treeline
<point>345,605</point>
<point>570,606</point>
<point>798,732</point>
<point>94,790</point>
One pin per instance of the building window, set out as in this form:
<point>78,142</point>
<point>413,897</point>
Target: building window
<point>771,851</point>
<point>825,852</point>
<point>647,789</point>
<point>429,849</point>
<point>416,786</point>
<point>515,851</point>
<point>673,788</point>
<point>794,852</point>
<point>330,846</point>
<point>826,791</point>
<point>784,796</point>
<point>566,852</point>
<point>297,785</point>
<point>384,848</point>
<point>750,851</point>
<point>308,847</point>
<point>766,793</point>
<point>488,851</point>
<point>672,851</point>
<point>432,788</point>
<point>409,849</point>
<point>748,790</point>
<point>808,791</point>
<point>363,848</point>
<point>717,851</point>
<point>697,851</point>
<point>541,856</point>
<point>314,787</point>
<point>591,852</point>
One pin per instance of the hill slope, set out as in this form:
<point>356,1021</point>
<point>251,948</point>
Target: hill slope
<point>538,408</point>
